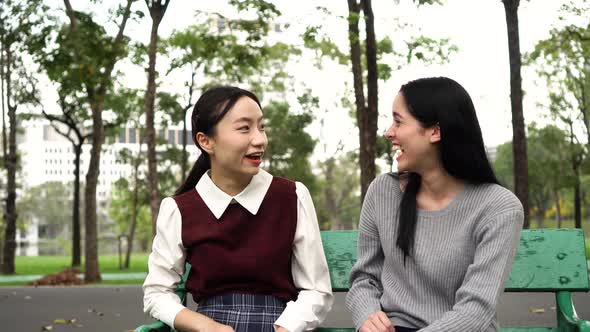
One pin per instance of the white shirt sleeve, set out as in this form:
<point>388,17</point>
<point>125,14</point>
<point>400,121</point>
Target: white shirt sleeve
<point>309,269</point>
<point>165,266</point>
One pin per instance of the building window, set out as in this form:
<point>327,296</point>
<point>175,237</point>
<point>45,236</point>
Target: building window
<point>220,25</point>
<point>171,136</point>
<point>122,135</point>
<point>132,135</point>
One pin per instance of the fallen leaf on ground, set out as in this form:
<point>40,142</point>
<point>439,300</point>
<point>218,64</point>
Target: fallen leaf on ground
<point>67,277</point>
<point>47,328</point>
<point>537,310</point>
<point>64,321</point>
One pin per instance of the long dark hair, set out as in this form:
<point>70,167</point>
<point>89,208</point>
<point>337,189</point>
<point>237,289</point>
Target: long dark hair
<point>442,101</point>
<point>211,107</point>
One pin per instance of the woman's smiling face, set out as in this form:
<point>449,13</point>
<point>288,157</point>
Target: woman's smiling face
<point>407,135</point>
<point>239,141</point>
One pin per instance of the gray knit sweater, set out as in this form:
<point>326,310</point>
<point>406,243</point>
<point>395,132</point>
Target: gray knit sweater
<point>461,258</point>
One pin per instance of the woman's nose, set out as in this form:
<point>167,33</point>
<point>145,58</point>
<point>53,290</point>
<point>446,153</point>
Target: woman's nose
<point>259,138</point>
<point>389,133</point>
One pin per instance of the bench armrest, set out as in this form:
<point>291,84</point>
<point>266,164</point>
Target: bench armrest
<point>567,318</point>
<point>153,327</point>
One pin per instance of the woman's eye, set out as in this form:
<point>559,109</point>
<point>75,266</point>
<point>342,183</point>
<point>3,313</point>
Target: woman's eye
<point>262,127</point>
<point>244,128</point>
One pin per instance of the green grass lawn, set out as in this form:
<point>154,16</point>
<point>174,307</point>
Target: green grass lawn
<point>52,264</point>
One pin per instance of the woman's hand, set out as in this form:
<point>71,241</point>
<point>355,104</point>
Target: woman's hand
<point>281,329</point>
<point>213,326</point>
<point>377,322</point>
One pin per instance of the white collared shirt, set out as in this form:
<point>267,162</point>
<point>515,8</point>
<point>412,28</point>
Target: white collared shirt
<point>308,266</point>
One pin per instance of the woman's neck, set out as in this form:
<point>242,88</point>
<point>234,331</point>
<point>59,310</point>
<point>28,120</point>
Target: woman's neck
<point>437,189</point>
<point>229,183</point>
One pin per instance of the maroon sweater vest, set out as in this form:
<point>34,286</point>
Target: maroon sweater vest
<point>241,252</point>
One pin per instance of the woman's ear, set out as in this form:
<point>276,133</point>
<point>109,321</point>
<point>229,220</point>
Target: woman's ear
<point>205,142</point>
<point>435,134</point>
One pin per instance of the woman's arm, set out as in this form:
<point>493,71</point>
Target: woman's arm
<point>165,269</point>
<point>310,271</point>
<point>363,298</point>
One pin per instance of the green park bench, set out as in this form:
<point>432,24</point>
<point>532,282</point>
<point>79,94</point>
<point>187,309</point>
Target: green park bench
<point>548,260</point>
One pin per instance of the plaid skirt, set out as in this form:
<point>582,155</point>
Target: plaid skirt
<point>244,312</point>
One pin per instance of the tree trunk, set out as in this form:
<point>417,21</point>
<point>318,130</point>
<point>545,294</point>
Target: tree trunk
<point>330,195</point>
<point>557,209</point>
<point>92,271</point>
<point>364,114</point>
<point>157,11</point>
<point>76,239</point>
<point>519,137</point>
<point>135,203</point>
<point>518,129</point>
<point>372,113</point>
<point>184,130</point>
<point>184,152</point>
<point>4,137</point>
<point>11,166</point>
<point>540,219</point>
<point>577,205</point>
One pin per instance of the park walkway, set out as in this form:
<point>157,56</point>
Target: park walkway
<point>119,309</point>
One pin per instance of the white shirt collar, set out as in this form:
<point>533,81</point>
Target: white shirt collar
<point>250,198</point>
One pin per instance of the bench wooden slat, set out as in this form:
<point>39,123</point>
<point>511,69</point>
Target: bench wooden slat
<point>549,260</point>
<point>340,249</point>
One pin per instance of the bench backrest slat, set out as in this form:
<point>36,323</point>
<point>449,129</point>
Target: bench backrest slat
<point>550,259</point>
<point>546,260</point>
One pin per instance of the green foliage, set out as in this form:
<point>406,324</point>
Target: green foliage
<point>323,45</point>
<point>289,146</point>
<point>50,203</point>
<point>120,209</point>
<point>548,161</point>
<point>77,70</point>
<point>338,199</point>
<point>562,59</point>
<point>418,48</point>
<point>383,150</point>
<point>241,54</point>
<point>19,23</point>
<point>430,51</point>
<point>258,28</point>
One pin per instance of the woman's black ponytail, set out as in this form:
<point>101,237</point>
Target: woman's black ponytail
<point>199,168</point>
<point>406,228</point>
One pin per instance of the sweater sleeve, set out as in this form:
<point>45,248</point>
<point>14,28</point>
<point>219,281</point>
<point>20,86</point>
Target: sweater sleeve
<point>363,298</point>
<point>476,299</point>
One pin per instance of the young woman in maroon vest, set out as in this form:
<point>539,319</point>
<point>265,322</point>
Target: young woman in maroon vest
<point>253,241</point>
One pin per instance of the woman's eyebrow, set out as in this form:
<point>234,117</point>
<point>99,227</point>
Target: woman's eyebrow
<point>249,120</point>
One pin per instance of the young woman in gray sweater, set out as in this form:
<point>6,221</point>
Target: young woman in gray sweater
<point>437,238</point>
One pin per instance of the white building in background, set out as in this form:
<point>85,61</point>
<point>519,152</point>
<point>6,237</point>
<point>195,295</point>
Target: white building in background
<point>46,156</point>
